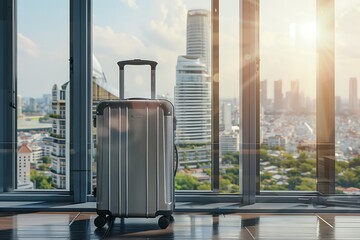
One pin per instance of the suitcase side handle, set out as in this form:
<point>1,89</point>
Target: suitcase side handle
<point>122,64</point>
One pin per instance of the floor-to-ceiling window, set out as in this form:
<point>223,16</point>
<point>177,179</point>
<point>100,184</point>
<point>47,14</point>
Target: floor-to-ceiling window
<point>43,100</point>
<point>347,107</point>
<point>288,95</point>
<point>179,36</point>
<point>293,88</point>
<point>229,97</point>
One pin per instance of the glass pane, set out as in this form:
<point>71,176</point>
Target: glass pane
<point>43,102</point>
<point>288,95</point>
<point>347,62</point>
<point>178,38</point>
<point>229,96</point>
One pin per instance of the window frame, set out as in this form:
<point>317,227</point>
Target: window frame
<point>80,79</point>
<point>325,107</point>
<point>80,65</point>
<point>8,98</point>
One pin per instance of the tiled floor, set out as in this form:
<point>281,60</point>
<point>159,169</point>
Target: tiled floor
<point>79,225</point>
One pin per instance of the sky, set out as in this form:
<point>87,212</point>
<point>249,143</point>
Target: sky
<point>127,29</point>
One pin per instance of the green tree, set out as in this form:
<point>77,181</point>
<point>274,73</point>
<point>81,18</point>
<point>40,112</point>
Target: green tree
<point>43,167</point>
<point>302,157</point>
<point>207,171</point>
<point>294,172</point>
<point>354,162</point>
<point>348,179</point>
<point>40,180</point>
<point>305,167</point>
<point>294,182</point>
<point>307,184</point>
<point>229,159</point>
<point>44,184</point>
<point>341,166</point>
<point>287,163</point>
<point>185,182</point>
<point>225,185</point>
<point>204,186</point>
<point>288,156</point>
<point>46,159</point>
<point>232,174</point>
<point>266,176</point>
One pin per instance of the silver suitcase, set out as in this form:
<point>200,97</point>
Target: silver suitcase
<point>135,156</point>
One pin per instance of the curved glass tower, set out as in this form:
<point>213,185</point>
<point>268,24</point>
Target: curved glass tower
<point>193,94</point>
<point>198,33</point>
<point>192,102</point>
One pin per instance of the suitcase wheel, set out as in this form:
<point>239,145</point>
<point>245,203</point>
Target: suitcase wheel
<point>100,221</point>
<point>164,222</point>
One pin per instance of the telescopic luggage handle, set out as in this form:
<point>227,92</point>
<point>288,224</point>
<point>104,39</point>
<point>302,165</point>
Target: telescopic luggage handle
<point>122,64</point>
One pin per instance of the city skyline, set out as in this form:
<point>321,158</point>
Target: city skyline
<point>159,34</point>
<point>284,132</point>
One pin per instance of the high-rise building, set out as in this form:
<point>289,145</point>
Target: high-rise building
<point>32,105</point>
<point>24,159</point>
<point>226,116</point>
<point>263,93</point>
<point>229,142</point>
<point>60,133</point>
<point>338,104</point>
<point>278,95</point>
<point>193,92</point>
<point>192,102</point>
<point>193,85</point>
<point>353,96</point>
<point>295,95</point>
<point>60,154</point>
<point>198,33</point>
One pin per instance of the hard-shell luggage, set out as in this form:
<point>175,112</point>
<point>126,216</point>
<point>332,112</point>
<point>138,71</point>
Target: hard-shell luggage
<point>135,156</point>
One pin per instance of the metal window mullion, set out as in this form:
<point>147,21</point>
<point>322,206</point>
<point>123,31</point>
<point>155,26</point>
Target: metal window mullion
<point>8,96</point>
<point>80,98</point>
<point>215,96</point>
<point>249,88</point>
<point>325,107</point>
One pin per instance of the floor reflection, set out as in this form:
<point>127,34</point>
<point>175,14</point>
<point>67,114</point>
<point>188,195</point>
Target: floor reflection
<point>186,226</point>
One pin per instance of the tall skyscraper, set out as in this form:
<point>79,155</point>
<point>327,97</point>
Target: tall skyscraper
<point>353,97</point>
<point>338,104</point>
<point>226,116</point>
<point>278,96</point>
<point>295,95</point>
<point>60,154</point>
<point>193,92</point>
<point>263,93</point>
<point>32,105</point>
<point>192,102</point>
<point>198,33</point>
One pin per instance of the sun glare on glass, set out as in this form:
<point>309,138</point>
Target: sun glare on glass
<point>308,31</point>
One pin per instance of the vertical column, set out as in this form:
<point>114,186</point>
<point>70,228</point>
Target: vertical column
<point>325,112</point>
<point>215,96</point>
<point>80,97</point>
<point>8,94</point>
<point>249,88</point>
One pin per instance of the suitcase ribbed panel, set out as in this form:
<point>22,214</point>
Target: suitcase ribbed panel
<point>135,160</point>
<point>113,160</point>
